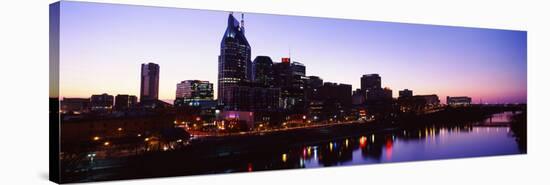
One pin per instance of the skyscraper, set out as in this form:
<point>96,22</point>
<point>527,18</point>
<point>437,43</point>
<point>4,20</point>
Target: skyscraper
<point>195,89</point>
<point>149,91</point>
<point>370,82</point>
<point>195,93</point>
<point>263,70</point>
<point>234,61</point>
<point>291,78</point>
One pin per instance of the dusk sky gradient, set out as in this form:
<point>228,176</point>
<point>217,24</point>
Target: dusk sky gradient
<point>102,47</point>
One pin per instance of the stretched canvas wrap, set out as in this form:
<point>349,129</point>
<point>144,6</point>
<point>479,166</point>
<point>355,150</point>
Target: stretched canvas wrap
<point>142,92</point>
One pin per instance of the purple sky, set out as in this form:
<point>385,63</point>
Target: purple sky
<point>103,45</point>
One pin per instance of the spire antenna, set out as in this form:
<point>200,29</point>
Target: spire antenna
<point>289,53</point>
<point>242,23</point>
<point>242,19</point>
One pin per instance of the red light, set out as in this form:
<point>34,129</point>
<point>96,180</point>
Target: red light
<point>389,148</point>
<point>249,167</point>
<point>285,60</point>
<point>363,142</point>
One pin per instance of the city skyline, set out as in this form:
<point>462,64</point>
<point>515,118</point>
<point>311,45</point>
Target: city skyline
<point>448,61</point>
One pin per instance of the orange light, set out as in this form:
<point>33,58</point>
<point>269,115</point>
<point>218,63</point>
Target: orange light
<point>96,138</point>
<point>106,143</point>
<point>363,142</point>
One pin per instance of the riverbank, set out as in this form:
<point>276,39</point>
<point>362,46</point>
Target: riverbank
<point>206,155</point>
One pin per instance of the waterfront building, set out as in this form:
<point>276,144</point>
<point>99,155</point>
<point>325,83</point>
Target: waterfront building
<point>333,102</point>
<point>251,97</point>
<point>235,121</point>
<point>459,101</point>
<point>419,103</point>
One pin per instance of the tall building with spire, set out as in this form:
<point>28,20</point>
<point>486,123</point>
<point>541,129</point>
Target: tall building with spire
<point>234,61</point>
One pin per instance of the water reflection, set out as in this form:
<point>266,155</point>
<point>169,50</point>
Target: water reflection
<point>431,142</point>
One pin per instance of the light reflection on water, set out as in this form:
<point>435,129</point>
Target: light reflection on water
<point>408,145</point>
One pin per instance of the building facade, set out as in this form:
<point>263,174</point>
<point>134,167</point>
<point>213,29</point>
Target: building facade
<point>234,61</point>
<point>263,71</point>
<point>291,78</point>
<point>125,102</point>
<point>371,81</point>
<point>75,105</point>
<point>195,89</point>
<point>405,93</point>
<point>149,90</point>
<point>101,102</point>
<point>459,101</point>
<point>252,97</point>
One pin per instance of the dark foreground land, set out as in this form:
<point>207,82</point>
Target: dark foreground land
<point>255,152</point>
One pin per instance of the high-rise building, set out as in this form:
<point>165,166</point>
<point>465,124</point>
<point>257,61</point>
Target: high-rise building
<point>282,75</point>
<point>195,93</point>
<point>339,92</point>
<point>291,78</point>
<point>251,97</point>
<point>101,102</point>
<point>195,89</point>
<point>234,61</point>
<point>332,102</point>
<point>313,83</point>
<point>298,71</point>
<point>124,101</point>
<point>405,93</point>
<point>149,91</point>
<point>371,81</point>
<point>263,70</point>
<point>359,97</point>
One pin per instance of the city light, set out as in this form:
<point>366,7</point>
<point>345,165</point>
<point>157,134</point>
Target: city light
<point>96,138</point>
<point>284,157</point>
<point>363,141</point>
<point>106,143</point>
